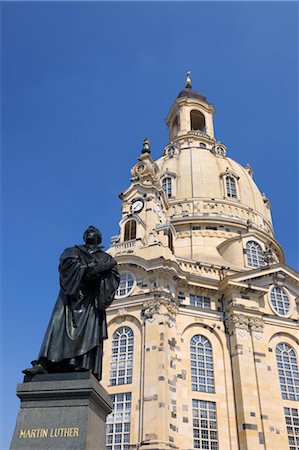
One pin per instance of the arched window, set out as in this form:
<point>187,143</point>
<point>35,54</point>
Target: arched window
<point>231,189</point>
<point>280,301</point>
<point>202,372</point>
<point>122,356</point>
<point>130,230</point>
<point>255,254</point>
<point>175,126</point>
<point>288,371</point>
<point>197,120</point>
<point>167,186</point>
<point>202,145</point>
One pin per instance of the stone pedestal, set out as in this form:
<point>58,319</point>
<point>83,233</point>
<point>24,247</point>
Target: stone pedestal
<point>61,411</point>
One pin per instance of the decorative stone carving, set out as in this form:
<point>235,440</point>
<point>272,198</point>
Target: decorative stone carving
<point>237,322</point>
<point>266,200</point>
<point>256,324</point>
<point>249,169</point>
<point>279,279</point>
<point>146,169</point>
<point>270,255</point>
<point>162,304</point>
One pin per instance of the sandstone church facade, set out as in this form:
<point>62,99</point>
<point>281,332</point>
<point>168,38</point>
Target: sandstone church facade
<point>203,341</point>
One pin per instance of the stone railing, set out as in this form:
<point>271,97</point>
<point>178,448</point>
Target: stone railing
<point>202,270</point>
<point>125,247</point>
<point>218,208</point>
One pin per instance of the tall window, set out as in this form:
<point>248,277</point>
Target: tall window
<point>288,371</point>
<point>292,422</point>
<point>122,356</point>
<point>130,230</point>
<point>202,373</point>
<point>167,186</point>
<point>175,127</point>
<point>198,301</point>
<point>197,120</point>
<point>204,425</point>
<point>230,184</point>
<point>280,301</point>
<point>118,423</point>
<point>255,254</point>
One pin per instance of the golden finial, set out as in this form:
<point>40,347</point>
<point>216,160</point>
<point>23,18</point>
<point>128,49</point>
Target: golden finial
<point>188,80</point>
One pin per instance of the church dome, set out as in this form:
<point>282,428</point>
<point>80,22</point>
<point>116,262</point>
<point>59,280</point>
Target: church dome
<point>190,93</point>
<point>216,186</point>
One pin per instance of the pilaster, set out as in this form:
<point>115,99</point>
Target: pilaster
<point>159,400</point>
<point>241,328</point>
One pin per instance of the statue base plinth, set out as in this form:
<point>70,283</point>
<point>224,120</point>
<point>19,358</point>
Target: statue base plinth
<point>61,411</point>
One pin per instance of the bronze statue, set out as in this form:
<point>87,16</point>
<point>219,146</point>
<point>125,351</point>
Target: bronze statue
<point>77,328</point>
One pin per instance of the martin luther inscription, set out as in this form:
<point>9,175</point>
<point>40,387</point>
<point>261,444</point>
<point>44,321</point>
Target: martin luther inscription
<point>34,433</point>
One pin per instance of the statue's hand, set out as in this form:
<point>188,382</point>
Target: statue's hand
<point>92,265</point>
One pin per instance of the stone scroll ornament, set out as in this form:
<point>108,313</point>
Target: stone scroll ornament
<point>77,327</point>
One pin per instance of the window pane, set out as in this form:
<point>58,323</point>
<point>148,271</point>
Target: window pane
<point>288,374</point>
<point>204,430</point>
<point>118,428</point>
<point>255,254</point>
<point>201,360</point>
<point>280,301</point>
<point>121,367</point>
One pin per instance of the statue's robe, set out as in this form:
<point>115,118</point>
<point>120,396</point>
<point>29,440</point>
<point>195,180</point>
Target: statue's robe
<point>77,328</point>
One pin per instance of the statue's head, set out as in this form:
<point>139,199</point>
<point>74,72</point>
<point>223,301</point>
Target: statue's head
<point>92,236</point>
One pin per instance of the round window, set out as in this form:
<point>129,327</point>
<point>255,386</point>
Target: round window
<point>126,285</point>
<point>280,301</point>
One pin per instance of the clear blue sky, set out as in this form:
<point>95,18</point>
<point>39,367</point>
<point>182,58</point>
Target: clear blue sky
<point>82,84</point>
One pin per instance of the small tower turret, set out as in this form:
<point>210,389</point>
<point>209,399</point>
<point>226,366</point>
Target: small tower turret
<point>190,113</point>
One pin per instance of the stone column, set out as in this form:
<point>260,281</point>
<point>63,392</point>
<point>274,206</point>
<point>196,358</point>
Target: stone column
<point>159,403</point>
<point>273,437</point>
<point>245,381</point>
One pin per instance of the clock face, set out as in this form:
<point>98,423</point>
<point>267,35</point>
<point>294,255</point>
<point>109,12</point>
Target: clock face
<point>137,205</point>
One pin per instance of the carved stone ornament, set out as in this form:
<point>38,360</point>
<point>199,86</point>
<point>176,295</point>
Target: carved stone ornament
<point>279,279</point>
<point>270,256</point>
<point>256,324</point>
<point>234,321</point>
<point>162,304</point>
<point>146,169</point>
<point>237,322</point>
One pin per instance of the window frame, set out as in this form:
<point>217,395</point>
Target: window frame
<point>257,256</point>
<point>286,292</point>
<point>167,180</point>
<point>287,369</point>
<point>113,420</point>
<point>228,191</point>
<point>126,272</point>
<point>122,356</point>
<point>129,232</point>
<point>202,374</point>
<point>204,418</point>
